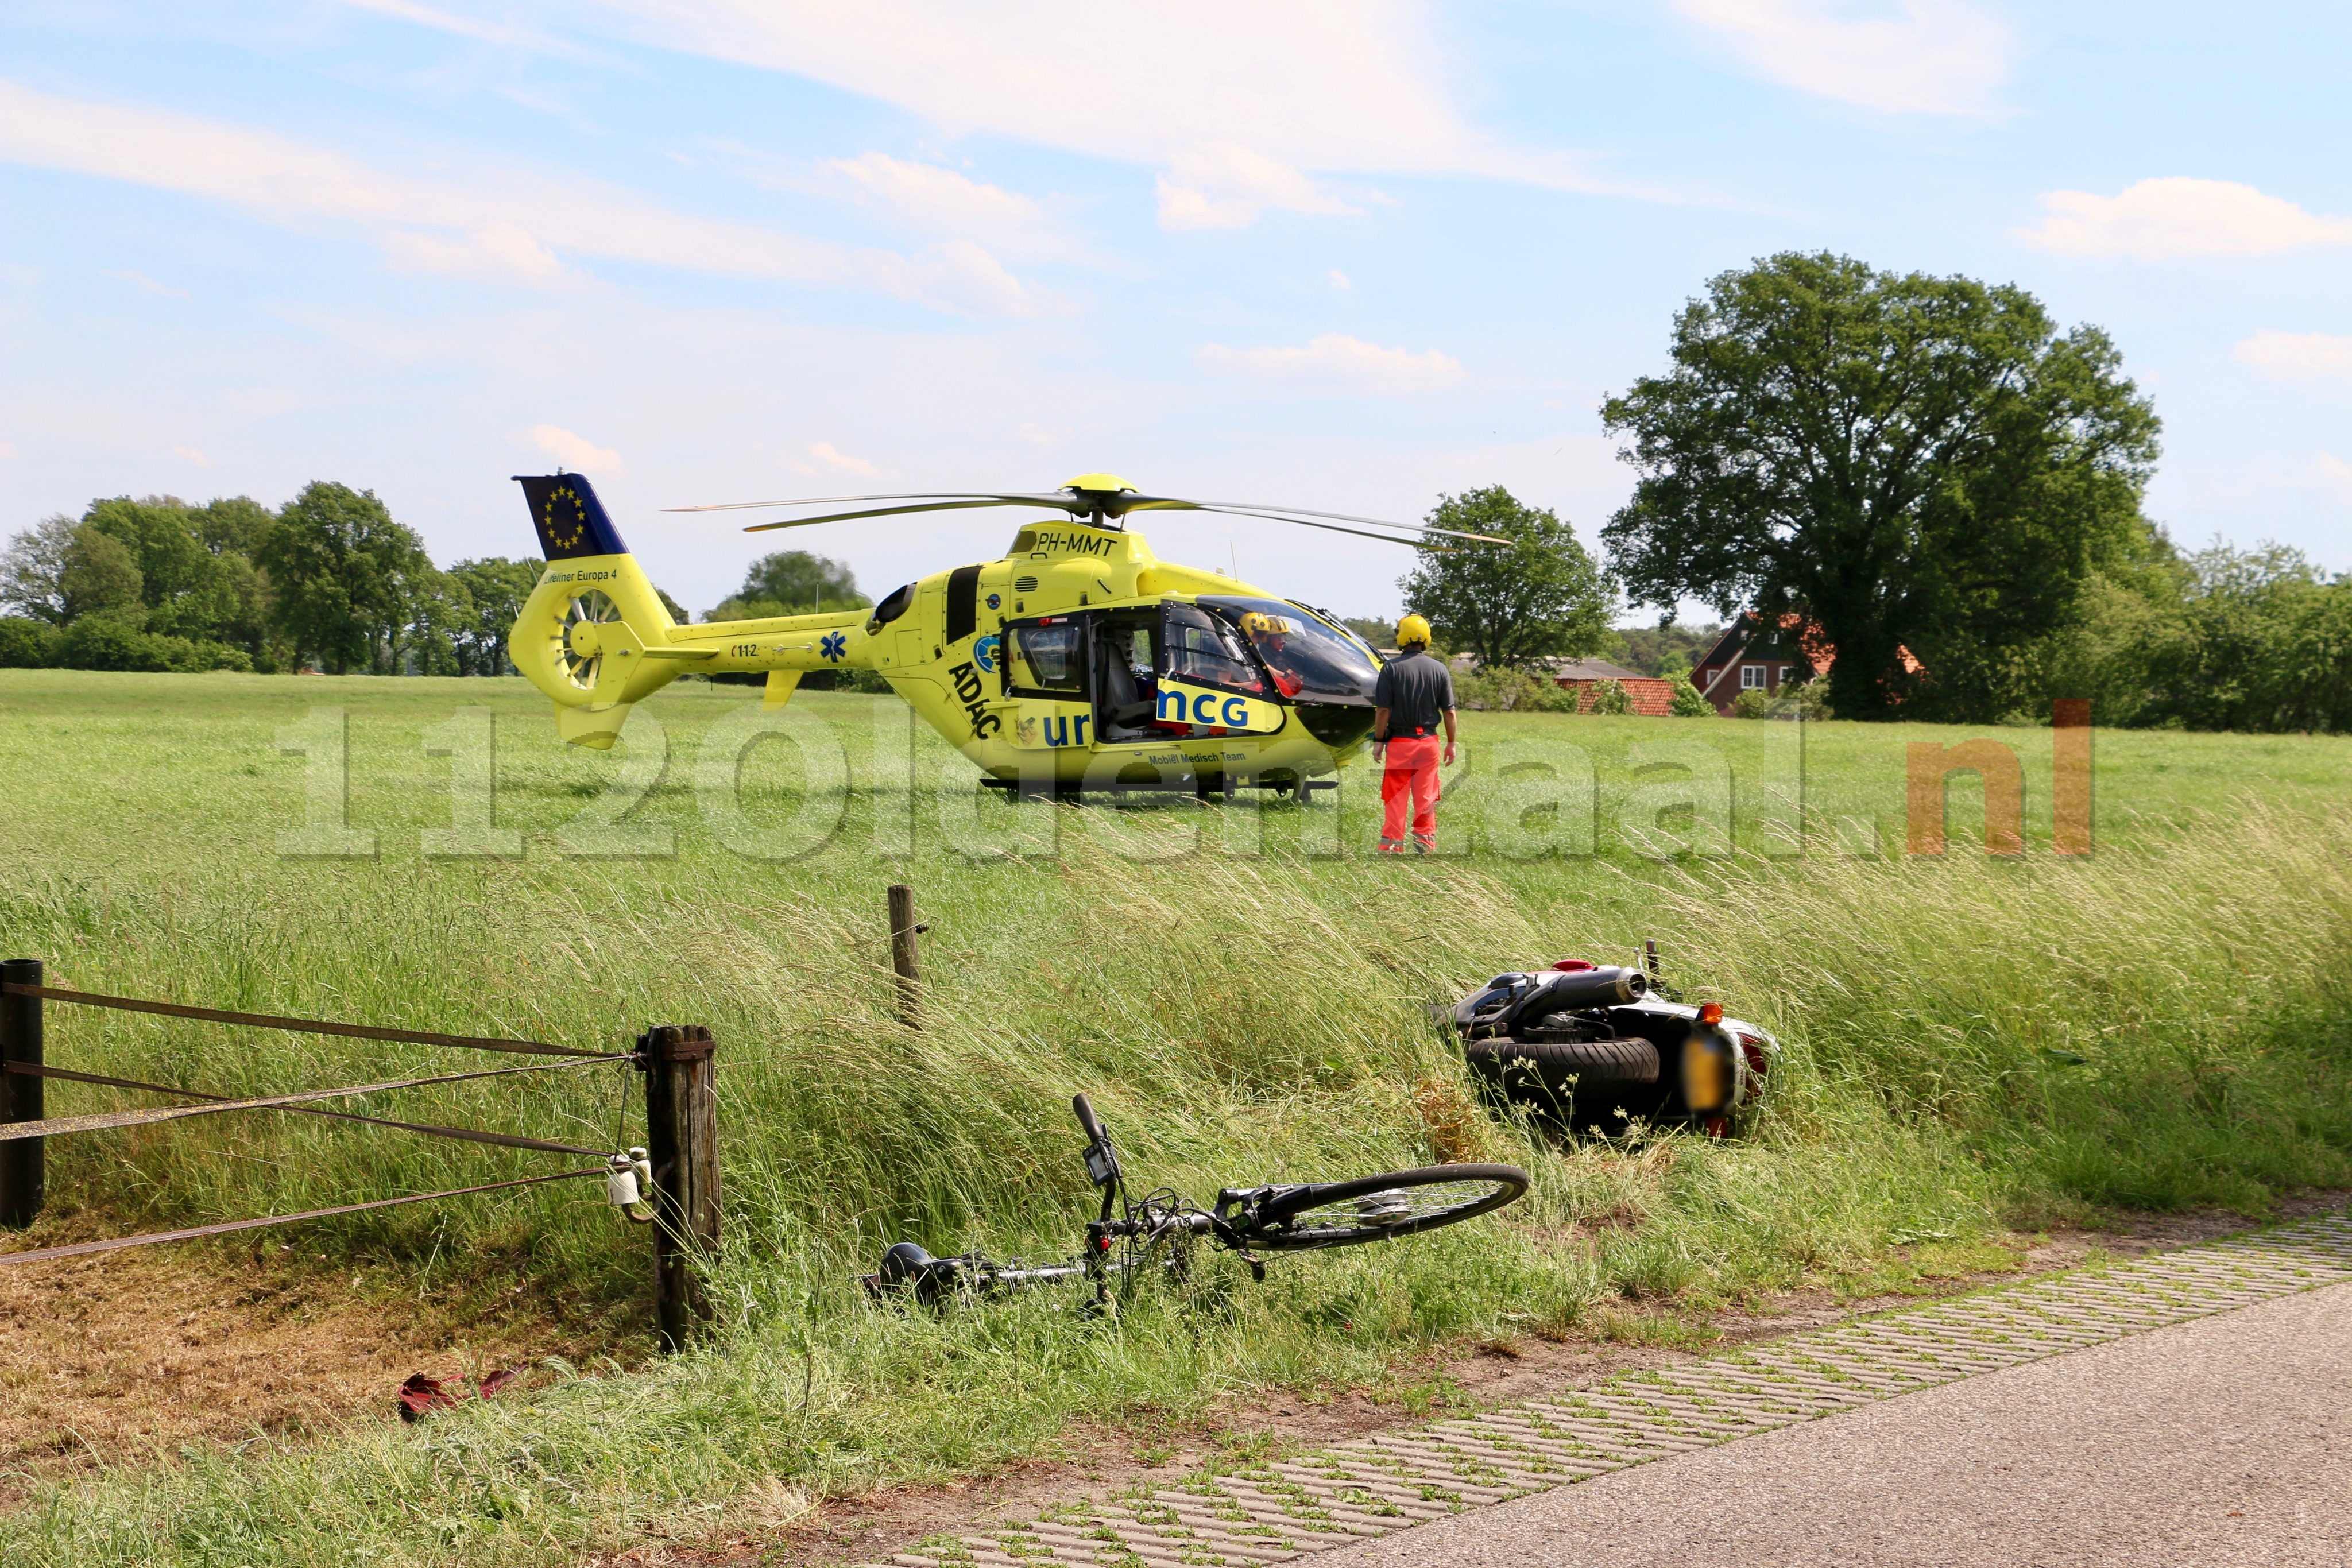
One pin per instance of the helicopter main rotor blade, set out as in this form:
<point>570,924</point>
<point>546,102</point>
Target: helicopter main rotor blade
<point>1259,510</point>
<point>884,512</point>
<point>1123,506</point>
<point>1360,533</point>
<point>1080,504</point>
<point>1055,498</point>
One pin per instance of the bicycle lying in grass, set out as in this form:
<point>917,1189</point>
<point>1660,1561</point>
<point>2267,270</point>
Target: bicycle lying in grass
<point>1131,1238</point>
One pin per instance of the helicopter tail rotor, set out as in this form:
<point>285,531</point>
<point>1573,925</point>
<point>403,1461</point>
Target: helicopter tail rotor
<point>593,635</point>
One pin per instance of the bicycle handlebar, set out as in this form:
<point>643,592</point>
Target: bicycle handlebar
<point>1085,1108</point>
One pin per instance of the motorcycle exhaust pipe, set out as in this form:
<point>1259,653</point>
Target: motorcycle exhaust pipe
<point>1578,989</point>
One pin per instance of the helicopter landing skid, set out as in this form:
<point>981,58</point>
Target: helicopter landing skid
<point>1204,789</point>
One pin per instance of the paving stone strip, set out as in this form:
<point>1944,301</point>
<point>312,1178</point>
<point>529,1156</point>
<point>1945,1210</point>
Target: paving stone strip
<point>1372,1486</point>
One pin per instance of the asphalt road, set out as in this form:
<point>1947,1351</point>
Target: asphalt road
<point>2223,1440</point>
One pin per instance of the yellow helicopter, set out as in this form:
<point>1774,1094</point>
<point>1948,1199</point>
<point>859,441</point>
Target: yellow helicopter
<point>1078,659</point>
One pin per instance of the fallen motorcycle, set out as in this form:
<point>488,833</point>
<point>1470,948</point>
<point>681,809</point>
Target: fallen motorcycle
<point>1601,1048</point>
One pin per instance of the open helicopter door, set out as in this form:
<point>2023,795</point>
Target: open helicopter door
<point>1127,674</point>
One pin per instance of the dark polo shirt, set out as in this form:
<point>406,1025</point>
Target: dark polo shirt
<point>1417,691</point>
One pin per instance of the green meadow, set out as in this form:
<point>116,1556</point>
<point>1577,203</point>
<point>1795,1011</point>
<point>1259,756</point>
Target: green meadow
<point>1972,1045</point>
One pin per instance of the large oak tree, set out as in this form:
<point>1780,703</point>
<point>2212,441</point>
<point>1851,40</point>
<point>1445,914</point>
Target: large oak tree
<point>1909,462</point>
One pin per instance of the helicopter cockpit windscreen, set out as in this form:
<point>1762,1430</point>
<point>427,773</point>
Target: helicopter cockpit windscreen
<point>1311,661</point>
<point>1207,651</point>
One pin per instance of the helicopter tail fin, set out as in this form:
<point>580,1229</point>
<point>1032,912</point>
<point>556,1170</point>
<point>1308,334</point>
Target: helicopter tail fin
<point>595,634</point>
<point>570,521</point>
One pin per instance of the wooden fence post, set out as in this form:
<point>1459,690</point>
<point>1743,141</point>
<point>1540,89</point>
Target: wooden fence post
<point>682,1142</point>
<point>903,958</point>
<point>23,1173</point>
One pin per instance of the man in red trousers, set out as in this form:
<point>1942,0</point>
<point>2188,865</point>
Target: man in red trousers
<point>1414,694</point>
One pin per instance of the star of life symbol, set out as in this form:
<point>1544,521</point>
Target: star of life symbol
<point>834,646</point>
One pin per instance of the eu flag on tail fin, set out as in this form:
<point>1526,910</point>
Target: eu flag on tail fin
<point>570,519</point>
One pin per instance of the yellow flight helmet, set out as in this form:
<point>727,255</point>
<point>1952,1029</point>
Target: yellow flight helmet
<point>1413,629</point>
<point>1257,622</point>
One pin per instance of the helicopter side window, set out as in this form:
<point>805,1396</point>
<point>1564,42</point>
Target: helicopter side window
<point>1046,658</point>
<point>1203,649</point>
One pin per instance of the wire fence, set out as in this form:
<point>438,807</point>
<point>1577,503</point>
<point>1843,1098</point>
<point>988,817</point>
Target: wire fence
<point>22,1180</point>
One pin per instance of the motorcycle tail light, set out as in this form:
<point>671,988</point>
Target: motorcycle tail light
<point>1752,1048</point>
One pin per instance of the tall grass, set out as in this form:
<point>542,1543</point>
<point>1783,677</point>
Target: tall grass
<point>1971,1043</point>
<point>2151,1030</point>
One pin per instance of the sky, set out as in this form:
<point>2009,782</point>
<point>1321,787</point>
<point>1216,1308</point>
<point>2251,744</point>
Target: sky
<point>1345,254</point>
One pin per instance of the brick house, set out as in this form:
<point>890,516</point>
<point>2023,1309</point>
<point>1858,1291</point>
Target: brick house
<point>1753,657</point>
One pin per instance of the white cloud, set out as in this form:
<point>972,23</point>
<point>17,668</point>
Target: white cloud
<point>1341,280</point>
<point>146,284</point>
<point>510,222</point>
<point>958,276</point>
<point>193,455</point>
<point>1339,361</point>
<point>1918,56</point>
<point>1224,187</point>
<point>2333,473</point>
<point>1328,85</point>
<point>2296,356</point>
<point>842,461</point>
<point>507,35</point>
<point>498,251</point>
<point>575,451</point>
<point>2158,219</point>
<point>935,195</point>
<point>261,402</point>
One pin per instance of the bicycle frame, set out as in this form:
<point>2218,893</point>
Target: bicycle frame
<point>1376,1207</point>
<point>1141,1225</point>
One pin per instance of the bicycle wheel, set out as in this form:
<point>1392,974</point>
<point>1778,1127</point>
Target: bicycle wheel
<point>1377,1208</point>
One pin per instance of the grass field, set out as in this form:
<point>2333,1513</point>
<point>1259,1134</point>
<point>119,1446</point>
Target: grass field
<point>1973,1044</point>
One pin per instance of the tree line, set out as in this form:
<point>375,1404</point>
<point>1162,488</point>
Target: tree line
<point>1936,482</point>
<point>330,580</point>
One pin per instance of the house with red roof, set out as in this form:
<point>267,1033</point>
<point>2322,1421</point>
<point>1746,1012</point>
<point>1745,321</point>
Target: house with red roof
<point>1751,656</point>
<point>1651,697</point>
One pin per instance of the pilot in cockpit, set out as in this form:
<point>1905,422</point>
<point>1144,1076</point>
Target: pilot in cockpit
<point>1270,635</point>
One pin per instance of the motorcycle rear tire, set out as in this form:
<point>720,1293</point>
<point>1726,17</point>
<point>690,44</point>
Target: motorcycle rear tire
<point>1563,1075</point>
